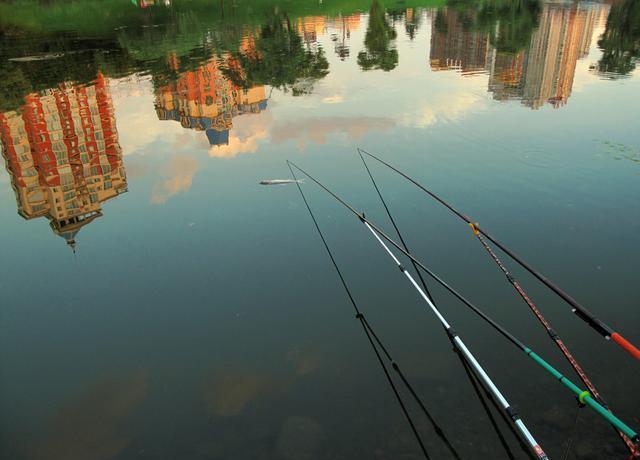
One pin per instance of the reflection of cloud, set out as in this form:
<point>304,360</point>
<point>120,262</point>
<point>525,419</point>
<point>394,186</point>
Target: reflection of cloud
<point>137,166</point>
<point>181,169</point>
<point>452,107</point>
<point>244,136</point>
<point>137,128</point>
<point>227,393</point>
<point>87,427</point>
<point>317,129</point>
<point>336,99</point>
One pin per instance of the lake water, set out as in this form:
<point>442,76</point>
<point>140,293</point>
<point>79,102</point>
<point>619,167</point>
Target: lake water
<point>157,302</point>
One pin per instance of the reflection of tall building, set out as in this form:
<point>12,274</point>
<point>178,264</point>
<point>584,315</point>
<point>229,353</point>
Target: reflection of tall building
<point>455,47</point>
<point>63,155</point>
<point>544,72</point>
<point>541,73</point>
<point>206,100</point>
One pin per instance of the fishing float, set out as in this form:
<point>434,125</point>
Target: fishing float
<point>584,396</point>
<point>598,325</point>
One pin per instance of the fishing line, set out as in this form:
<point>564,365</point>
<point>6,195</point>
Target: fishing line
<point>603,329</point>
<point>524,431</point>
<point>386,208</point>
<point>552,334</point>
<point>465,364</point>
<point>572,433</point>
<point>583,396</point>
<point>370,333</point>
<point>476,385</point>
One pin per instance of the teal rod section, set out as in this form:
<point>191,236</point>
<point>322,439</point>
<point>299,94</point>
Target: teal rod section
<point>595,405</point>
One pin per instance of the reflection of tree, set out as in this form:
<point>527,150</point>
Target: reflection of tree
<point>509,23</point>
<point>377,41</point>
<point>279,59</point>
<point>409,16</point>
<point>43,61</point>
<point>620,42</point>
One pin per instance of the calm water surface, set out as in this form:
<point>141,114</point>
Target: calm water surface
<point>158,303</point>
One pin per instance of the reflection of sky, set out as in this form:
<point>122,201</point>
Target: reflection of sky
<point>342,109</point>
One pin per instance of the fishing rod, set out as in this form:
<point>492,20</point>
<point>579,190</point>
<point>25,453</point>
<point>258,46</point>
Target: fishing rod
<point>527,299</point>
<point>375,340</point>
<point>466,366</point>
<point>552,335</point>
<point>460,345</point>
<point>603,329</point>
<point>584,397</point>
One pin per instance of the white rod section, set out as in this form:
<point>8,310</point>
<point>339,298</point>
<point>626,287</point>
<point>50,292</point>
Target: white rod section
<point>526,435</point>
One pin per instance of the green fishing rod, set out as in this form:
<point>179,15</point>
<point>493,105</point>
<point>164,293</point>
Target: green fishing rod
<point>584,397</point>
<point>580,311</point>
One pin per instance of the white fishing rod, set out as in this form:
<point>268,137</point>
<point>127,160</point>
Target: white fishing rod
<point>526,435</point>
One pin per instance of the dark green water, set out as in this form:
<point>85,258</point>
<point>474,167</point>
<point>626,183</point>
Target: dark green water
<point>199,317</point>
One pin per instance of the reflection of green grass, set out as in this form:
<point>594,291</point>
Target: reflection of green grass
<point>117,38</point>
<point>103,16</point>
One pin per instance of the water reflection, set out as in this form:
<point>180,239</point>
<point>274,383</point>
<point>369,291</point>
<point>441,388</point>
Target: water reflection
<point>380,52</point>
<point>206,100</point>
<point>196,81</point>
<point>279,56</point>
<point>63,156</point>
<point>540,73</point>
<point>60,142</point>
<point>620,42</point>
<point>342,34</point>
<point>90,425</point>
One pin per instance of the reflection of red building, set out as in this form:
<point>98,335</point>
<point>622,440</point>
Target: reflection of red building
<point>63,155</point>
<point>206,100</point>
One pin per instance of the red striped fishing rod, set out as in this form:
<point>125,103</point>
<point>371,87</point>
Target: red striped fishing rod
<point>584,397</point>
<point>529,302</point>
<point>553,335</point>
<point>603,329</point>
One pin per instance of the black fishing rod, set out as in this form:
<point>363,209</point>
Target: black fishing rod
<point>466,366</point>
<point>526,435</point>
<point>603,329</point>
<point>573,362</point>
<point>584,397</point>
<point>377,345</point>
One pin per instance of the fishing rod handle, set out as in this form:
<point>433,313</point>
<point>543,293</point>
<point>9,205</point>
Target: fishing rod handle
<point>626,345</point>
